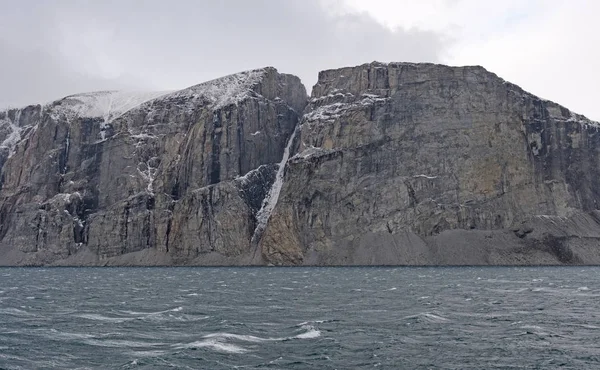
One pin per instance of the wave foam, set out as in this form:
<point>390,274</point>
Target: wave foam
<point>244,338</point>
<point>310,333</point>
<point>215,345</point>
<point>429,317</point>
<point>97,317</point>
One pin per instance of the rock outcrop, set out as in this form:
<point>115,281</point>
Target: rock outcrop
<point>424,164</point>
<point>115,178</point>
<point>400,163</point>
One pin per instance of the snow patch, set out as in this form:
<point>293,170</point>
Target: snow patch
<point>263,215</point>
<point>143,136</point>
<point>245,178</point>
<point>148,173</point>
<point>327,112</point>
<point>583,121</point>
<point>107,105</point>
<point>334,95</point>
<point>79,222</point>
<point>12,125</point>
<point>65,198</point>
<point>330,112</point>
<point>223,91</point>
<point>110,105</point>
<point>14,136</point>
<point>311,151</point>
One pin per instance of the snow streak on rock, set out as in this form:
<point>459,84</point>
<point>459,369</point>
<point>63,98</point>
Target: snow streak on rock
<point>263,215</point>
<point>332,107</point>
<point>15,125</point>
<point>14,134</point>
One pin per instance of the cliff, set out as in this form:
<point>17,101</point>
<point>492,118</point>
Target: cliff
<point>400,163</point>
<point>116,178</point>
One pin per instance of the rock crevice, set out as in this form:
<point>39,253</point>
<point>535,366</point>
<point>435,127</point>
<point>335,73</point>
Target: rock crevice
<point>399,163</point>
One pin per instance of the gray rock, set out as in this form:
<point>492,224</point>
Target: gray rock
<point>111,178</point>
<point>391,164</point>
<point>423,164</point>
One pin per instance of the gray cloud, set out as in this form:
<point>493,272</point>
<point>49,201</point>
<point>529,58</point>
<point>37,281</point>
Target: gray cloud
<point>50,49</point>
<point>35,76</point>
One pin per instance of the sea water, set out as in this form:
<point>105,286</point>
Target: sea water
<point>300,318</point>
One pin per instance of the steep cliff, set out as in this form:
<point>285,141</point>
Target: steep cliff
<point>426,164</point>
<point>116,178</point>
<point>394,163</point>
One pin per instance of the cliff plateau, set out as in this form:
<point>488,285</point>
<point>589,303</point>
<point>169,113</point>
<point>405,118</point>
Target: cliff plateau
<point>394,164</point>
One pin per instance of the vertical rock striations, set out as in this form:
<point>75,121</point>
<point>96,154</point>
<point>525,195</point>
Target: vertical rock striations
<point>163,178</point>
<point>407,163</point>
<point>398,163</point>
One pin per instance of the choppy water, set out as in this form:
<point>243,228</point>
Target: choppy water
<point>299,318</point>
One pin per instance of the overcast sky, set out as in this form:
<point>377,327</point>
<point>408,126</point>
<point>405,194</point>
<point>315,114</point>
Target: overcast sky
<point>49,49</point>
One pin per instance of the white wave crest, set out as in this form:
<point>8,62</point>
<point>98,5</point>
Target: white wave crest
<point>310,333</point>
<point>215,345</point>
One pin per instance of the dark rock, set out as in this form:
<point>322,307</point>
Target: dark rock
<point>158,176</point>
<point>392,164</point>
<point>455,157</point>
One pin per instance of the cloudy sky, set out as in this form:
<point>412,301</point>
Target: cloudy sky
<point>49,49</point>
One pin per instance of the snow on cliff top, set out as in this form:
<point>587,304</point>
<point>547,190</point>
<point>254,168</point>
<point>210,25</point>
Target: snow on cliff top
<point>105,104</point>
<point>223,91</point>
<point>110,105</point>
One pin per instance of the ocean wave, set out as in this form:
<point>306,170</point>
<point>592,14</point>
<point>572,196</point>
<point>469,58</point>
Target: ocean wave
<point>245,338</point>
<point>141,313</point>
<point>115,343</point>
<point>55,334</point>
<point>311,333</point>
<point>98,317</point>
<point>14,312</point>
<point>312,322</point>
<point>150,353</point>
<point>219,341</point>
<point>428,317</point>
<point>172,314</point>
<point>214,344</point>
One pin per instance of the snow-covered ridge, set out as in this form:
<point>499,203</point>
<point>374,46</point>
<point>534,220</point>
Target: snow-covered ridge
<point>107,105</point>
<point>110,105</point>
<point>103,104</point>
<point>223,91</point>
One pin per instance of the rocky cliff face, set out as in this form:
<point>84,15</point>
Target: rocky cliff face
<point>387,164</point>
<point>114,178</point>
<point>426,164</point>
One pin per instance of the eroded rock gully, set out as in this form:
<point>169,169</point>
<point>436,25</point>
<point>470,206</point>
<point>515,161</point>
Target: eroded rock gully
<point>399,163</point>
